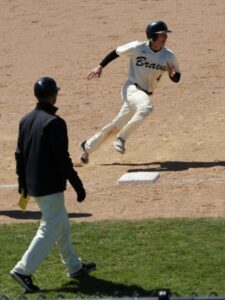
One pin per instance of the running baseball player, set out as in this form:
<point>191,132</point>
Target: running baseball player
<point>149,60</point>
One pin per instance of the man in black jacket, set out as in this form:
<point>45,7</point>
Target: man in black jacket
<point>43,165</point>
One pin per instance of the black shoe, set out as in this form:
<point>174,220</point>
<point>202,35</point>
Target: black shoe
<point>25,281</point>
<point>85,155</point>
<point>82,145</point>
<point>85,269</point>
<point>119,145</point>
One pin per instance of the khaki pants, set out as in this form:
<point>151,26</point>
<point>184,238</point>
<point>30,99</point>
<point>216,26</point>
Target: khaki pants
<point>137,106</point>
<point>54,228</point>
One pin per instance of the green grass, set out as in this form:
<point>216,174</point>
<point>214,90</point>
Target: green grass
<point>133,258</point>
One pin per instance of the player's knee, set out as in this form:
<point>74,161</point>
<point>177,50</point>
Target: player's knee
<point>145,110</point>
<point>116,125</point>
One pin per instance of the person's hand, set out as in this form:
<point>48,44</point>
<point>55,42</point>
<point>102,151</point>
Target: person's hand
<point>23,191</point>
<point>81,194</point>
<point>95,73</point>
<point>77,184</point>
<point>22,187</point>
<point>170,69</point>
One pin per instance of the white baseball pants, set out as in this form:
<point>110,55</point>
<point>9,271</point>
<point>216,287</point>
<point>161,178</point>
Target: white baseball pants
<point>137,106</point>
<point>54,228</point>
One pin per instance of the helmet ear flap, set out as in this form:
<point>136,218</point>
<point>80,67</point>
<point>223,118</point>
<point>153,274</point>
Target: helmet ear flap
<point>151,36</point>
<point>155,37</point>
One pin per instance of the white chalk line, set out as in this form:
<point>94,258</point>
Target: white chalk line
<point>8,186</point>
<point>187,181</point>
<point>193,181</point>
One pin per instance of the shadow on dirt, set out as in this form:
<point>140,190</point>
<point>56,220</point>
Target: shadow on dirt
<point>35,215</point>
<point>172,166</point>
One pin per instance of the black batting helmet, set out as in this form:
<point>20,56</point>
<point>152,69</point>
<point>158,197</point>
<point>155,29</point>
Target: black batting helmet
<point>156,27</point>
<point>45,87</point>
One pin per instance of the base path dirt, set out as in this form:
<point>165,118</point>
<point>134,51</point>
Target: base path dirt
<point>183,139</point>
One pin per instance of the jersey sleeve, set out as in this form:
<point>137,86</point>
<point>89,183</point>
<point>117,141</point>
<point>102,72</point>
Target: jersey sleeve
<point>173,61</point>
<point>127,49</point>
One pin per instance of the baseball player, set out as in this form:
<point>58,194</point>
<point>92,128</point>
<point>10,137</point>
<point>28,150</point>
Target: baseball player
<point>43,166</point>
<point>149,60</point>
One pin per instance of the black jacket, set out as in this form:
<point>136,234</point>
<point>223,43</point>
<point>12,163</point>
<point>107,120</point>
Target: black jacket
<point>43,163</point>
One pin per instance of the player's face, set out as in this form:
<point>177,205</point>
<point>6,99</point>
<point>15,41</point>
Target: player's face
<point>161,40</point>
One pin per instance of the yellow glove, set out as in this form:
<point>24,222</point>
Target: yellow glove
<point>23,201</point>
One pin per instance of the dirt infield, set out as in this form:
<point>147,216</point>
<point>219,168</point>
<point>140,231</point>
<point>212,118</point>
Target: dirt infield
<point>184,137</point>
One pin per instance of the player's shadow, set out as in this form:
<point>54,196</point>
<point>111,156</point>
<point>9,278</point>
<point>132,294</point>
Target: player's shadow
<point>96,287</point>
<point>35,215</point>
<point>172,166</point>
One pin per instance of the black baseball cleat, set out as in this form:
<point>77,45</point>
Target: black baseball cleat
<point>25,281</point>
<point>85,155</point>
<point>85,269</point>
<point>119,145</point>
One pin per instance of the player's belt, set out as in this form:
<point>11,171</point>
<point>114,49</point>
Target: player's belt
<point>147,92</point>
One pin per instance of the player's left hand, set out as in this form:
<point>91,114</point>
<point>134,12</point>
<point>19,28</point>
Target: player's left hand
<point>170,69</point>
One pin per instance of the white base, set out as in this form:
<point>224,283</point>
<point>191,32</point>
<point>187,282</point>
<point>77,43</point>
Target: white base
<point>139,177</point>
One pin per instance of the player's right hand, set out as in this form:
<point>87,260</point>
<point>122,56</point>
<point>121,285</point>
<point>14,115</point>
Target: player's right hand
<point>23,191</point>
<point>95,73</point>
<point>22,186</point>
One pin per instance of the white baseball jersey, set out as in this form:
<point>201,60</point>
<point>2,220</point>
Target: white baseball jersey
<point>146,66</point>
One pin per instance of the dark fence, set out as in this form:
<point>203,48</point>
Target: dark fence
<point>158,295</point>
